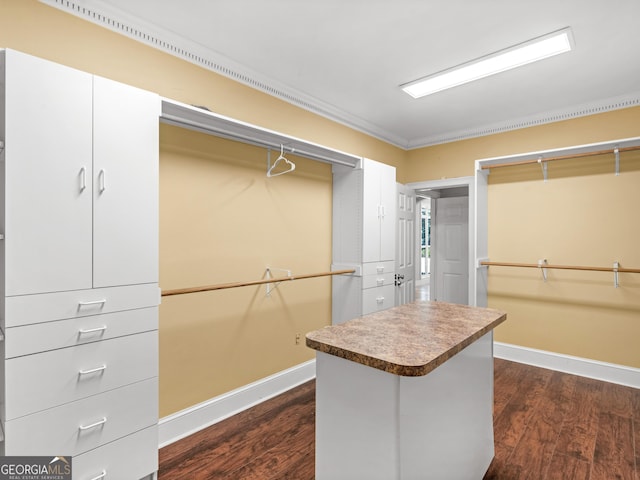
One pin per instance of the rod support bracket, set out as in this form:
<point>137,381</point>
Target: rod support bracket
<point>541,264</point>
<point>616,152</point>
<point>271,286</point>
<point>616,266</point>
<point>544,168</point>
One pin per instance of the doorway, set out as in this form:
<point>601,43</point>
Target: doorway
<point>444,253</point>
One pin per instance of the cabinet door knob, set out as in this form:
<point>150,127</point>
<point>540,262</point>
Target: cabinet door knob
<point>83,179</point>
<point>102,181</point>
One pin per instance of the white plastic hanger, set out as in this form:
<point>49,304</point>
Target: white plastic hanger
<point>271,168</point>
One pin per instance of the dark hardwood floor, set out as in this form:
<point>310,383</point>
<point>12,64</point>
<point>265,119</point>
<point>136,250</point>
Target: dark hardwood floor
<point>548,426</point>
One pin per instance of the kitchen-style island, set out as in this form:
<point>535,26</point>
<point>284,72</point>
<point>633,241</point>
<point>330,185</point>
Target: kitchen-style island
<point>406,394</point>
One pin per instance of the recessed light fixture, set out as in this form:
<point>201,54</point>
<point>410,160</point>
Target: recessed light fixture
<point>539,48</point>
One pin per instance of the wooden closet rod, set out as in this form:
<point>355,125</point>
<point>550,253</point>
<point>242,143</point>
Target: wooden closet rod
<point>222,286</point>
<point>560,267</point>
<point>561,157</point>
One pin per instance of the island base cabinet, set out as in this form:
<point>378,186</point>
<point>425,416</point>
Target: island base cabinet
<point>374,425</point>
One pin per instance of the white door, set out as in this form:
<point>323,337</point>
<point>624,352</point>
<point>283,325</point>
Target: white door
<point>451,225</point>
<point>125,184</point>
<point>405,245</point>
<point>47,177</point>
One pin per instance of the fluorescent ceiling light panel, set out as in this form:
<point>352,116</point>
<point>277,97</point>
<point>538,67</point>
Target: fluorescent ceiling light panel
<point>516,56</point>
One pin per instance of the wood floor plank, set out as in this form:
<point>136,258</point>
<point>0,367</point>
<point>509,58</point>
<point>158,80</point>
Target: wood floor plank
<point>506,376</point>
<point>578,434</point>
<point>511,421</point>
<point>614,456</point>
<point>618,400</point>
<point>568,467</point>
<point>636,444</point>
<point>533,452</point>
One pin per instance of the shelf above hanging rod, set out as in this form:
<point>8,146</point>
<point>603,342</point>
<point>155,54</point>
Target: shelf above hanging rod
<point>206,121</point>
<point>559,267</point>
<point>559,157</point>
<point>222,286</point>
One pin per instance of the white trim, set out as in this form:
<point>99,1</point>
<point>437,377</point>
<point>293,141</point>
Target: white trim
<point>608,372</point>
<point>558,115</point>
<point>103,14</point>
<point>190,420</point>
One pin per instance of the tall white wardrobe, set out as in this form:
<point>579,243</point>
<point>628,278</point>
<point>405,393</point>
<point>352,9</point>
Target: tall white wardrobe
<point>364,238</point>
<point>79,268</point>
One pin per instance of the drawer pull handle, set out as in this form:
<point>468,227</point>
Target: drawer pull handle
<point>380,299</point>
<point>94,302</point>
<point>101,368</point>
<point>102,475</point>
<point>380,281</point>
<point>83,331</point>
<point>93,425</point>
<point>380,269</point>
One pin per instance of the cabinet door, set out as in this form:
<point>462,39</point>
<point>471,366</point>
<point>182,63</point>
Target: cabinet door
<point>388,199</point>
<point>379,214</point>
<point>126,167</point>
<point>371,211</point>
<point>48,176</point>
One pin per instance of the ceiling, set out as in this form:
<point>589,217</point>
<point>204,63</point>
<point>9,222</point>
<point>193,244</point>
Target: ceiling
<point>345,59</point>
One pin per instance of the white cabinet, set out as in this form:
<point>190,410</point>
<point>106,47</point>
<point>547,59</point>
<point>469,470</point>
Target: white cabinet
<point>81,179</point>
<point>379,211</point>
<point>364,224</point>
<point>78,268</point>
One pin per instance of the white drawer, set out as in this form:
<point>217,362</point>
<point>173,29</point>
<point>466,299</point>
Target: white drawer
<point>374,268</point>
<point>132,457</point>
<point>27,309</point>
<point>80,426</point>
<point>378,280</point>
<point>375,299</point>
<point>44,380</point>
<point>41,337</point>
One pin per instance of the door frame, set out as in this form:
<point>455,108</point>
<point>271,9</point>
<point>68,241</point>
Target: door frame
<point>470,183</point>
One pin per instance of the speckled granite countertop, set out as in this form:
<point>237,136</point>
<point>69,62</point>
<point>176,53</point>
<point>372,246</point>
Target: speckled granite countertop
<point>410,340</point>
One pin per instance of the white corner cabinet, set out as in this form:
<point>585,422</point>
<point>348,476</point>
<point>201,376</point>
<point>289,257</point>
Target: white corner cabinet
<point>364,233</point>
<point>79,260</point>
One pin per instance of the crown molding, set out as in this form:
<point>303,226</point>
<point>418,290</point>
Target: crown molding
<point>145,32</point>
<point>138,29</point>
<point>591,108</point>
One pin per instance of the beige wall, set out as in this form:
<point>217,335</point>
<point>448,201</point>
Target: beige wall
<point>584,215</point>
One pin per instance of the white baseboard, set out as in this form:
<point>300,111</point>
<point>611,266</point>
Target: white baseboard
<point>190,420</point>
<point>608,372</point>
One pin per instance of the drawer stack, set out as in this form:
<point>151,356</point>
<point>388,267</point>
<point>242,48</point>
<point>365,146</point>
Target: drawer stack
<point>378,289</point>
<point>81,376</point>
